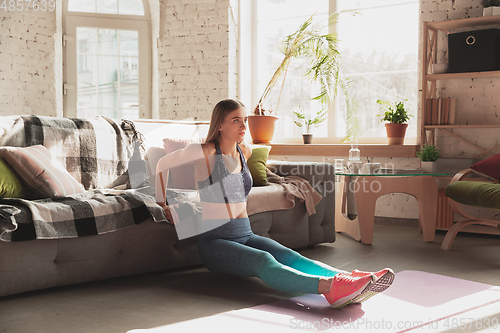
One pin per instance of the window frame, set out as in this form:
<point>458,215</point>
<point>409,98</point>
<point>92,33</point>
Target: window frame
<point>73,20</point>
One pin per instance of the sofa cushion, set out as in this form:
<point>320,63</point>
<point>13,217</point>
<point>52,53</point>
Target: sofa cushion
<point>10,185</point>
<point>475,194</point>
<point>40,171</point>
<point>183,176</point>
<point>257,165</point>
<point>489,167</point>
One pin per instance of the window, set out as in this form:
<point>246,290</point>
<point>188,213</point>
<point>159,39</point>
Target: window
<point>107,69</point>
<point>379,54</point>
<point>122,7</point>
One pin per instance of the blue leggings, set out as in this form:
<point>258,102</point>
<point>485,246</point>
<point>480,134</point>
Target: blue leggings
<point>238,251</point>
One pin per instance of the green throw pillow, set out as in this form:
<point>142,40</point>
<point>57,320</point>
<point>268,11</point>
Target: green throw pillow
<point>10,185</point>
<point>257,165</point>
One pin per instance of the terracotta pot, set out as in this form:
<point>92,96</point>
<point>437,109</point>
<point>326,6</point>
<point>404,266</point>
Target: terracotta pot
<point>307,138</point>
<point>261,128</point>
<point>396,133</point>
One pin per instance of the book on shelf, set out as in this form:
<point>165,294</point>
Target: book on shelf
<point>428,111</point>
<point>451,116</point>
<point>434,111</point>
<point>446,111</point>
<point>440,111</point>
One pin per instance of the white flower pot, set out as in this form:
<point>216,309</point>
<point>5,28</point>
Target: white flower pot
<point>429,167</point>
<point>490,11</point>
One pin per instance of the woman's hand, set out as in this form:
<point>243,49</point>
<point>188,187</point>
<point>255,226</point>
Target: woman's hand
<point>170,212</point>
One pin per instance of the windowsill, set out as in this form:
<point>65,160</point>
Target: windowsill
<point>367,150</point>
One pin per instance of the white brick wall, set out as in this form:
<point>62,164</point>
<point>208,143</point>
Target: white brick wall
<point>27,62</point>
<point>195,57</point>
<point>477,99</point>
<point>154,9</point>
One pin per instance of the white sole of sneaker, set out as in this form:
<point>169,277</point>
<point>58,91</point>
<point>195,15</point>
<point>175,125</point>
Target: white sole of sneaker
<point>340,303</point>
<point>380,285</point>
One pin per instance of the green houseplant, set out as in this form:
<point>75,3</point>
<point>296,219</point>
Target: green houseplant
<point>428,155</point>
<point>397,116</point>
<point>306,121</point>
<point>323,56</point>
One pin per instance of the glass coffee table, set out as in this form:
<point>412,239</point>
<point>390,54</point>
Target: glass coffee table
<point>368,188</point>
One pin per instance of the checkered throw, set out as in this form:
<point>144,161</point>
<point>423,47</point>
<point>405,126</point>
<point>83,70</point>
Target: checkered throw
<point>98,153</point>
<point>84,214</point>
<point>95,151</point>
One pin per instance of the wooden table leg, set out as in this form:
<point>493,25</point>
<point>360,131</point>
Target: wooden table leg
<point>426,193</point>
<point>366,199</point>
<point>369,188</point>
<point>342,222</point>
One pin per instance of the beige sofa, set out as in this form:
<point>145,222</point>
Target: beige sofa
<point>152,246</point>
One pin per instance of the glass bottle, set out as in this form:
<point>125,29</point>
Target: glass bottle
<point>354,153</point>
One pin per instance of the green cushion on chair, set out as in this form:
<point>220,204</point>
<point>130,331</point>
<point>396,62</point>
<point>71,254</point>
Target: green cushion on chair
<point>475,194</point>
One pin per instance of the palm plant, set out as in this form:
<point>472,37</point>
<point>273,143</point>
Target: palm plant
<point>323,55</point>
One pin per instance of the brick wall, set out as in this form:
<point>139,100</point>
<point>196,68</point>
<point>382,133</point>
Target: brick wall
<point>27,62</point>
<point>195,58</point>
<point>478,100</point>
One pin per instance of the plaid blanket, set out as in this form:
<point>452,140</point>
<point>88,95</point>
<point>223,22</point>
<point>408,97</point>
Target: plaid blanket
<point>96,151</point>
<point>84,214</point>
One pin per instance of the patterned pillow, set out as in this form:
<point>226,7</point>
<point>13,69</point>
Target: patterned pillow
<point>40,171</point>
<point>181,177</point>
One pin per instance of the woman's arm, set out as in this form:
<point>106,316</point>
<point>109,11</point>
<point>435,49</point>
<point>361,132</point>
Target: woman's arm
<point>190,154</point>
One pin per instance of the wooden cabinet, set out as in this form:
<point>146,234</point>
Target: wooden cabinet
<point>430,41</point>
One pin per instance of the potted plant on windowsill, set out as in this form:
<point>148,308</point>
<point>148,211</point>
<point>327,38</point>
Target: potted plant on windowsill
<point>491,7</point>
<point>323,55</point>
<point>306,121</point>
<point>397,117</point>
<point>428,155</point>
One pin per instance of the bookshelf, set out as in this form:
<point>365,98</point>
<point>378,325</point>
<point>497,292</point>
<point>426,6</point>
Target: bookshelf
<point>428,80</point>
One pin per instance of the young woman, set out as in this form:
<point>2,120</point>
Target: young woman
<point>231,247</point>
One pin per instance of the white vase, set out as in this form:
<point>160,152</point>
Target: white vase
<point>429,167</point>
<point>490,11</point>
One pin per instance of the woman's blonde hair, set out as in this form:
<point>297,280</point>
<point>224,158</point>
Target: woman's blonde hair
<point>219,113</point>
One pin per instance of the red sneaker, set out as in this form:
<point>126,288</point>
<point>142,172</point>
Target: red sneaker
<point>377,274</point>
<point>384,279</point>
<point>345,288</point>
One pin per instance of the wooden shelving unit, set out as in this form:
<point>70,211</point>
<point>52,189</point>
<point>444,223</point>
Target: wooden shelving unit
<point>430,31</point>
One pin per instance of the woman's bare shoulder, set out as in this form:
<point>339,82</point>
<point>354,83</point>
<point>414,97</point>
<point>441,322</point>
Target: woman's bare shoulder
<point>207,147</point>
<point>246,150</point>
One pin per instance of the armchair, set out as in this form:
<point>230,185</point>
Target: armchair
<point>472,193</point>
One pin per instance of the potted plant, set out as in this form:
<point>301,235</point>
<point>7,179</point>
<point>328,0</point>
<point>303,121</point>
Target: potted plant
<point>322,52</point>
<point>428,155</point>
<point>491,7</point>
<point>306,121</point>
<point>397,117</point>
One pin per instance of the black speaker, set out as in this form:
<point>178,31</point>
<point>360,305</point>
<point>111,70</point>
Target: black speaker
<point>474,51</point>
